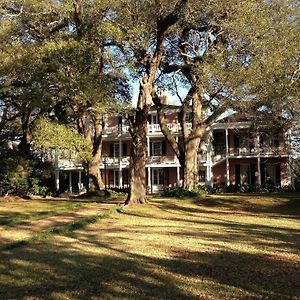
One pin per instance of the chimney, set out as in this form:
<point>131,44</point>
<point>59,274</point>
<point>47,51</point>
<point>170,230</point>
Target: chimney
<point>163,97</point>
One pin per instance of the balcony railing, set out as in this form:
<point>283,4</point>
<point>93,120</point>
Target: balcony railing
<point>162,160</point>
<point>115,161</point>
<point>67,164</point>
<point>263,151</point>
<point>173,127</point>
<point>246,152</point>
<point>116,129</point>
<point>152,160</point>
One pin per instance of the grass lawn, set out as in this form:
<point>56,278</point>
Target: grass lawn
<point>17,211</point>
<point>215,247</point>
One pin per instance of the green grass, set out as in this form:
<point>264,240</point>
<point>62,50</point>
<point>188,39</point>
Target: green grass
<point>215,247</point>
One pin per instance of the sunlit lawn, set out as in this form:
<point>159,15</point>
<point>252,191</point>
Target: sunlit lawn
<point>215,247</point>
<point>22,210</point>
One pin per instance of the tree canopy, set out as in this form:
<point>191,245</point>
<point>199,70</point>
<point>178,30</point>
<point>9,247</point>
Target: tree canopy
<point>72,61</point>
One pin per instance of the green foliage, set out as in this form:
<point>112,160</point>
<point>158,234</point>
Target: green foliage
<point>93,194</point>
<point>13,183</point>
<point>179,192</point>
<point>49,135</point>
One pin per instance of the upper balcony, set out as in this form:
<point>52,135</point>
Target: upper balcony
<point>163,161</point>
<point>152,128</point>
<point>114,162</point>
<point>69,164</point>
<point>152,161</point>
<point>249,152</point>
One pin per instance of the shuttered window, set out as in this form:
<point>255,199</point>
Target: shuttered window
<point>158,148</point>
<point>114,150</point>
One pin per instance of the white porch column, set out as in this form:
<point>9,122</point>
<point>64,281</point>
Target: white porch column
<point>209,172</point>
<point>149,178</point>
<point>56,172</point>
<point>258,170</point>
<point>120,183</point>
<point>148,146</point>
<point>149,169</point>
<point>227,154</point>
<point>227,172</point>
<point>226,142</point>
<point>178,175</point>
<point>79,181</point>
<point>57,179</point>
<point>70,181</point>
<point>177,168</point>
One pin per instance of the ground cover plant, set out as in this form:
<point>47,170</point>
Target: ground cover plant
<point>210,247</point>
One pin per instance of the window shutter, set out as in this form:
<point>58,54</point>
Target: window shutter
<point>111,150</point>
<point>278,177</point>
<point>124,149</point>
<point>263,173</point>
<point>151,146</point>
<point>236,141</point>
<point>237,174</point>
<point>166,176</point>
<point>163,148</point>
<point>252,173</point>
<point>276,140</point>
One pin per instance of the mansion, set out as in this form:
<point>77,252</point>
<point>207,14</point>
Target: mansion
<point>231,154</point>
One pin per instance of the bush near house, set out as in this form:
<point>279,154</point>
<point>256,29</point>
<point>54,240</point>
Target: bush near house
<point>36,182</point>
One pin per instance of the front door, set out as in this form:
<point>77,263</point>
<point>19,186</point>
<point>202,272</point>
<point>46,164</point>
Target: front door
<point>157,180</point>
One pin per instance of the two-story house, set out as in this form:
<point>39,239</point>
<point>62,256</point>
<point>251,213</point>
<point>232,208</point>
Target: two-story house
<point>232,153</point>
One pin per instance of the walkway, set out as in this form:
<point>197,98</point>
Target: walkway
<point>27,229</point>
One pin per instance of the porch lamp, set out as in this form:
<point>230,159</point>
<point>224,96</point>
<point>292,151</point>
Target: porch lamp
<point>104,158</point>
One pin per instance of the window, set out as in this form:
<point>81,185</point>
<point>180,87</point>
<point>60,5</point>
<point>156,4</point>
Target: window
<point>247,174</point>
<point>157,148</point>
<point>270,174</point>
<point>152,118</point>
<point>219,142</point>
<point>202,175</point>
<point>114,150</point>
<point>188,117</point>
<point>158,176</point>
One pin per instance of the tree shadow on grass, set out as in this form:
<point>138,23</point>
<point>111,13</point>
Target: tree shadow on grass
<point>105,265</point>
<point>83,276</point>
<point>47,271</point>
<point>282,205</point>
<point>227,230</point>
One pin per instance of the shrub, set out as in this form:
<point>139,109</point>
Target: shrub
<point>13,183</point>
<point>36,188</point>
<point>179,192</point>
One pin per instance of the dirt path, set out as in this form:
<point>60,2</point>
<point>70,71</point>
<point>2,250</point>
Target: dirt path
<point>25,230</point>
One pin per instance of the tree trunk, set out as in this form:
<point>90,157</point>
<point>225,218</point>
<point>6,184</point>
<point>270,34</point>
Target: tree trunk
<point>190,167</point>
<point>95,182</point>
<point>94,140</point>
<point>137,179</point>
<point>24,148</point>
<point>138,128</point>
<point>186,153</point>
